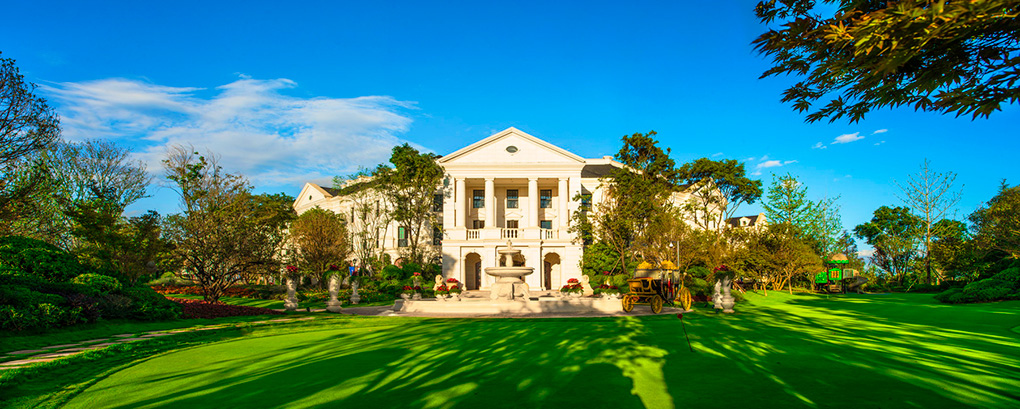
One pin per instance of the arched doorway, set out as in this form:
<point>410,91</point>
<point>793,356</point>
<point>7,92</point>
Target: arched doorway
<point>472,271</point>
<point>550,271</point>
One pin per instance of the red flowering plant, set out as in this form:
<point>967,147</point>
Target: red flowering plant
<point>572,281</point>
<point>442,290</point>
<point>292,270</point>
<point>722,267</point>
<point>408,289</point>
<point>572,288</point>
<point>334,267</point>
<point>417,274</point>
<point>607,289</point>
<point>454,285</point>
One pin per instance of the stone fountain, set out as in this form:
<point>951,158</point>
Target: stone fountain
<point>509,280</point>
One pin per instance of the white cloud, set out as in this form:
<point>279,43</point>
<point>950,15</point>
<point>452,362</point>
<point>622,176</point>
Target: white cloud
<point>866,252</point>
<point>764,163</point>
<point>847,138</point>
<point>717,154</point>
<point>255,129</point>
<point>819,145</point>
<point>878,131</point>
<point>770,164</point>
<point>879,143</point>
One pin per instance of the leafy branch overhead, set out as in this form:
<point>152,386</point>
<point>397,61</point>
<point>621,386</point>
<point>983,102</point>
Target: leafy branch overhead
<point>959,57</point>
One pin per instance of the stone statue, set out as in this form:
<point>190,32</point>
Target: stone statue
<point>586,287</point>
<point>439,282</point>
<point>721,295</point>
<point>291,303</point>
<point>355,298</point>
<point>333,305</point>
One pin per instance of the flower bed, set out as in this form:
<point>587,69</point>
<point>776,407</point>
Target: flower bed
<point>243,292</point>
<point>202,309</point>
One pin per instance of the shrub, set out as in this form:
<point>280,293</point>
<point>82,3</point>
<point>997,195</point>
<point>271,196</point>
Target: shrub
<point>96,284</point>
<point>23,297</point>
<point>1010,275</point>
<point>38,258</point>
<point>698,272</point>
<point>392,272</point>
<point>988,290</point>
<point>16,319</point>
<point>88,306</point>
<point>151,306</point>
<point>116,306</point>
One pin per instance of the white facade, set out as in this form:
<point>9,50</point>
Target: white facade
<point>480,214</point>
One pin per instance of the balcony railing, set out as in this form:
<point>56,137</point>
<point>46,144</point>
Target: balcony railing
<point>474,234</point>
<point>509,233</point>
<point>548,234</point>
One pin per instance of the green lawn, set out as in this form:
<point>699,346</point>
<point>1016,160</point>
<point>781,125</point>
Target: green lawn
<point>276,304</point>
<point>890,350</point>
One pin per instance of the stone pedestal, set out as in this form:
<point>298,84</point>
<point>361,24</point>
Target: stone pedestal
<point>355,297</point>
<point>333,305</point>
<point>291,303</point>
<point>721,295</point>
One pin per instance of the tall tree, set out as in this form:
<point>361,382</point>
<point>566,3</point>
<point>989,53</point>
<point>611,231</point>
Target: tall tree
<point>636,197</point>
<point>930,195</point>
<point>411,187</point>
<point>370,217</point>
<point>223,233</point>
<point>998,222</point>
<point>950,57</point>
<point>718,189</point>
<point>778,254</point>
<point>320,241</point>
<point>28,126</point>
<point>818,222</point>
<point>893,232</point>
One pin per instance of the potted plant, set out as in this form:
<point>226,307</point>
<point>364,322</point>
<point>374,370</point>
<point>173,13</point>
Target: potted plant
<point>573,288</point>
<point>454,287</point>
<point>417,292</point>
<point>407,291</point>
<point>442,292</point>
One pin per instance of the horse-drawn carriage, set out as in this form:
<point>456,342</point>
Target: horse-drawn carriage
<point>656,288</point>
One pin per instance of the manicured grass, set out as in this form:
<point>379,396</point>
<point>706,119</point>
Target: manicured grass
<point>274,304</point>
<point>891,350</point>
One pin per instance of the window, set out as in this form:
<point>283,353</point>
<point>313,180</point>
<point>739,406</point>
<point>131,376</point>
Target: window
<point>546,224</point>
<point>437,236</point>
<point>512,224</point>
<point>586,201</point>
<point>479,199</point>
<point>545,199</point>
<point>437,202</point>
<point>401,236</point>
<point>478,224</point>
<point>511,198</point>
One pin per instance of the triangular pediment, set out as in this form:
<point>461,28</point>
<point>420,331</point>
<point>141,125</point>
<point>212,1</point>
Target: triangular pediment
<point>511,146</point>
<point>311,193</point>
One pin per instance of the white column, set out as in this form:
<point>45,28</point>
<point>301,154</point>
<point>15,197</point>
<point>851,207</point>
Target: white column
<point>460,196</point>
<point>490,203</point>
<point>564,199</point>
<point>532,202</point>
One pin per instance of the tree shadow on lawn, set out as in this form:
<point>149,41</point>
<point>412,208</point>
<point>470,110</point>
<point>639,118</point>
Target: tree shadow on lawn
<point>776,355</point>
<point>445,363</point>
<point>812,353</point>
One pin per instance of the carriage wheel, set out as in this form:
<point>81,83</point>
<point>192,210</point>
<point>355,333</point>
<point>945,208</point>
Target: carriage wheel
<point>684,297</point>
<point>628,303</point>
<point>656,303</point>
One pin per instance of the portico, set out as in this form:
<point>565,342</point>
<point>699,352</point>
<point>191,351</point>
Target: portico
<point>511,186</point>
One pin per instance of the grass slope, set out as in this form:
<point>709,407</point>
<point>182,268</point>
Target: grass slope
<point>780,351</point>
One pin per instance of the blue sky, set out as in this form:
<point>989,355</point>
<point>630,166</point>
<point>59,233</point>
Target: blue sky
<point>291,93</point>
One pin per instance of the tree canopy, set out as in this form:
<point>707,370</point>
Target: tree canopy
<point>719,188</point>
<point>951,57</point>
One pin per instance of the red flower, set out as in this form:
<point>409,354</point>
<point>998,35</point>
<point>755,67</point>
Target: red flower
<point>720,268</point>
<point>417,274</point>
<point>292,269</point>
<point>451,280</point>
<point>572,280</point>
<point>333,267</point>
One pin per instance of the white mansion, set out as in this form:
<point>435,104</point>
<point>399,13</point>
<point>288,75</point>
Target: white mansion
<point>509,186</point>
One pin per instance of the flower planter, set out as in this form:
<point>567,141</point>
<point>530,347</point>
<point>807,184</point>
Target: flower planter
<point>454,296</point>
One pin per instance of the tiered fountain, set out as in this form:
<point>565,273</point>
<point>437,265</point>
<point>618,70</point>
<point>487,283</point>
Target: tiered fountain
<point>510,294</point>
<point>510,282</point>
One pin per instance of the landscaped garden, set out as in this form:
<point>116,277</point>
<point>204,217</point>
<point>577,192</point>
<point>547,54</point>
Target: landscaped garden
<point>876,350</point>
